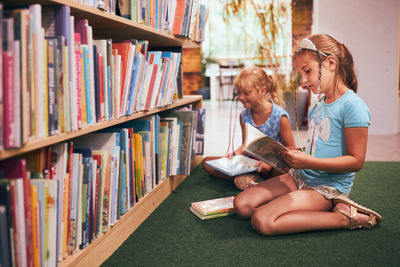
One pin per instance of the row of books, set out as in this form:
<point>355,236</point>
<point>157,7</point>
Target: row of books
<point>109,6</point>
<point>57,200</point>
<point>180,17</point>
<point>56,78</point>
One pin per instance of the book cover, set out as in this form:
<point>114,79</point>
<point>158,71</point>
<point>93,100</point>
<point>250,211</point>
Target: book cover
<point>236,165</point>
<point>15,169</point>
<point>264,148</point>
<point>4,238</point>
<point>177,22</point>
<point>211,216</point>
<point>21,33</point>
<point>126,51</point>
<point>214,206</point>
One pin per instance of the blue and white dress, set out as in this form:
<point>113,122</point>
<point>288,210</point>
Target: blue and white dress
<point>270,127</point>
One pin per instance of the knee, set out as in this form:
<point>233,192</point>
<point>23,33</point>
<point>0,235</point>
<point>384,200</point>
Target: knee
<point>242,208</point>
<point>263,224</point>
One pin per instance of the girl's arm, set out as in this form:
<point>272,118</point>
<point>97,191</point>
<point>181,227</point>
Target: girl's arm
<point>286,133</point>
<point>356,147</point>
<point>239,150</point>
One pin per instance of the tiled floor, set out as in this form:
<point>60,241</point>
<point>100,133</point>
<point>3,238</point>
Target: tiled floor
<point>380,147</point>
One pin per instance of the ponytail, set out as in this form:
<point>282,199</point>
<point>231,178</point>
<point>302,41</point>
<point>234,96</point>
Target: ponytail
<point>274,90</point>
<point>346,69</point>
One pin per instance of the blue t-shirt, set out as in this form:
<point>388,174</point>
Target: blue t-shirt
<point>270,127</point>
<point>329,141</point>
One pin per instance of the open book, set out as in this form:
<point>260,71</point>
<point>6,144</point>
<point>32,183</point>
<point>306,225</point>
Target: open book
<point>264,148</point>
<point>235,166</point>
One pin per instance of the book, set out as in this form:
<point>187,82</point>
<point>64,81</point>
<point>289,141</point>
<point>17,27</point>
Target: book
<point>264,148</point>
<point>213,207</point>
<point>236,165</point>
<point>211,216</point>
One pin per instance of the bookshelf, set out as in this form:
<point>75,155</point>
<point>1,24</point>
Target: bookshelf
<point>106,25</point>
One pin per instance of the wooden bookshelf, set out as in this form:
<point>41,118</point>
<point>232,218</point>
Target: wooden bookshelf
<point>106,25</point>
<point>54,139</point>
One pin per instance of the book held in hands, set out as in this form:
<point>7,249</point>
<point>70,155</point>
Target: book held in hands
<point>213,208</point>
<point>264,148</point>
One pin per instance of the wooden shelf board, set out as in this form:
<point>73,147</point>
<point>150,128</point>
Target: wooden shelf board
<point>54,139</point>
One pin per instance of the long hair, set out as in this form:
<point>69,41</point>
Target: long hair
<point>330,46</point>
<point>255,78</point>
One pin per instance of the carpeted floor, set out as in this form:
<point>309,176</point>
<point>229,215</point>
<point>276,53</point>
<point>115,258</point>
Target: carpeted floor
<point>173,236</point>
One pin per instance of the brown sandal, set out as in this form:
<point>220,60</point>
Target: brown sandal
<point>374,217</point>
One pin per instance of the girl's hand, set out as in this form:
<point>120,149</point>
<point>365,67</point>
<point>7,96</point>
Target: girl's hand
<point>263,167</point>
<point>229,155</point>
<point>296,158</point>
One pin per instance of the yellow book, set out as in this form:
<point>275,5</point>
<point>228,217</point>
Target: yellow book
<point>65,216</point>
<point>137,142</point>
<point>46,221</point>
<point>34,206</point>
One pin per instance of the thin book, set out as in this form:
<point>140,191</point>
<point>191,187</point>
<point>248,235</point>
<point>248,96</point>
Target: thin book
<point>234,166</point>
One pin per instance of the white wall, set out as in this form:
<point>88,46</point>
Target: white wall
<point>370,29</point>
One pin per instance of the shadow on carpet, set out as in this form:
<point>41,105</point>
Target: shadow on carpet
<point>173,236</point>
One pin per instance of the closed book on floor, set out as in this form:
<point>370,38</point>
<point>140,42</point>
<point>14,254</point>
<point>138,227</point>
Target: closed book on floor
<point>214,206</point>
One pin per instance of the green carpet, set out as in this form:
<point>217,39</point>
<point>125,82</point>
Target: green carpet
<point>173,236</point>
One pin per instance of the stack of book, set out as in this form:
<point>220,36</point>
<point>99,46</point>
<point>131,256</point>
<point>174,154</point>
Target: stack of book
<point>213,208</point>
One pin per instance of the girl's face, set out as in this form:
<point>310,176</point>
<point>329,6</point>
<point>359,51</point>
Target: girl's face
<point>308,68</point>
<point>249,97</point>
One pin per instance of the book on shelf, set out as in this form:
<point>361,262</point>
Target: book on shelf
<point>264,148</point>
<point>213,208</point>
<point>234,166</point>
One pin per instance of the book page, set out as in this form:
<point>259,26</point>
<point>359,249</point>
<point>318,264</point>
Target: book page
<point>235,166</point>
<point>266,149</point>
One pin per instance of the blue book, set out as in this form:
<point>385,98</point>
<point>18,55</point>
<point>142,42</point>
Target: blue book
<point>86,70</point>
<point>167,58</point>
<point>133,85</point>
<point>139,83</point>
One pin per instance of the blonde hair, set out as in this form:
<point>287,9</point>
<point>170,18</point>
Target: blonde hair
<point>331,47</point>
<point>255,78</point>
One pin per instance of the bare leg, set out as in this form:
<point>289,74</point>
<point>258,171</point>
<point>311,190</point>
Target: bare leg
<point>214,171</point>
<point>297,211</point>
<point>249,200</point>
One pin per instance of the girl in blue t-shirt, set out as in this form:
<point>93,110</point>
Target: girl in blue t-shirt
<point>313,194</point>
<point>260,95</point>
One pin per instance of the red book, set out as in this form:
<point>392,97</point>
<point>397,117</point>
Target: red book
<point>123,50</point>
<point>96,224</point>
<point>101,85</point>
<point>179,15</point>
<point>16,169</point>
<point>8,101</point>
<point>151,86</point>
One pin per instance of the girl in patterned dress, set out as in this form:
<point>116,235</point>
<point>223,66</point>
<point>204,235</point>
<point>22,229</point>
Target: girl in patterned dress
<point>260,95</point>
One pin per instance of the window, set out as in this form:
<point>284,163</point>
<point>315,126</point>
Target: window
<point>240,36</point>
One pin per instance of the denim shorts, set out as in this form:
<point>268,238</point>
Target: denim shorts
<point>326,191</point>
